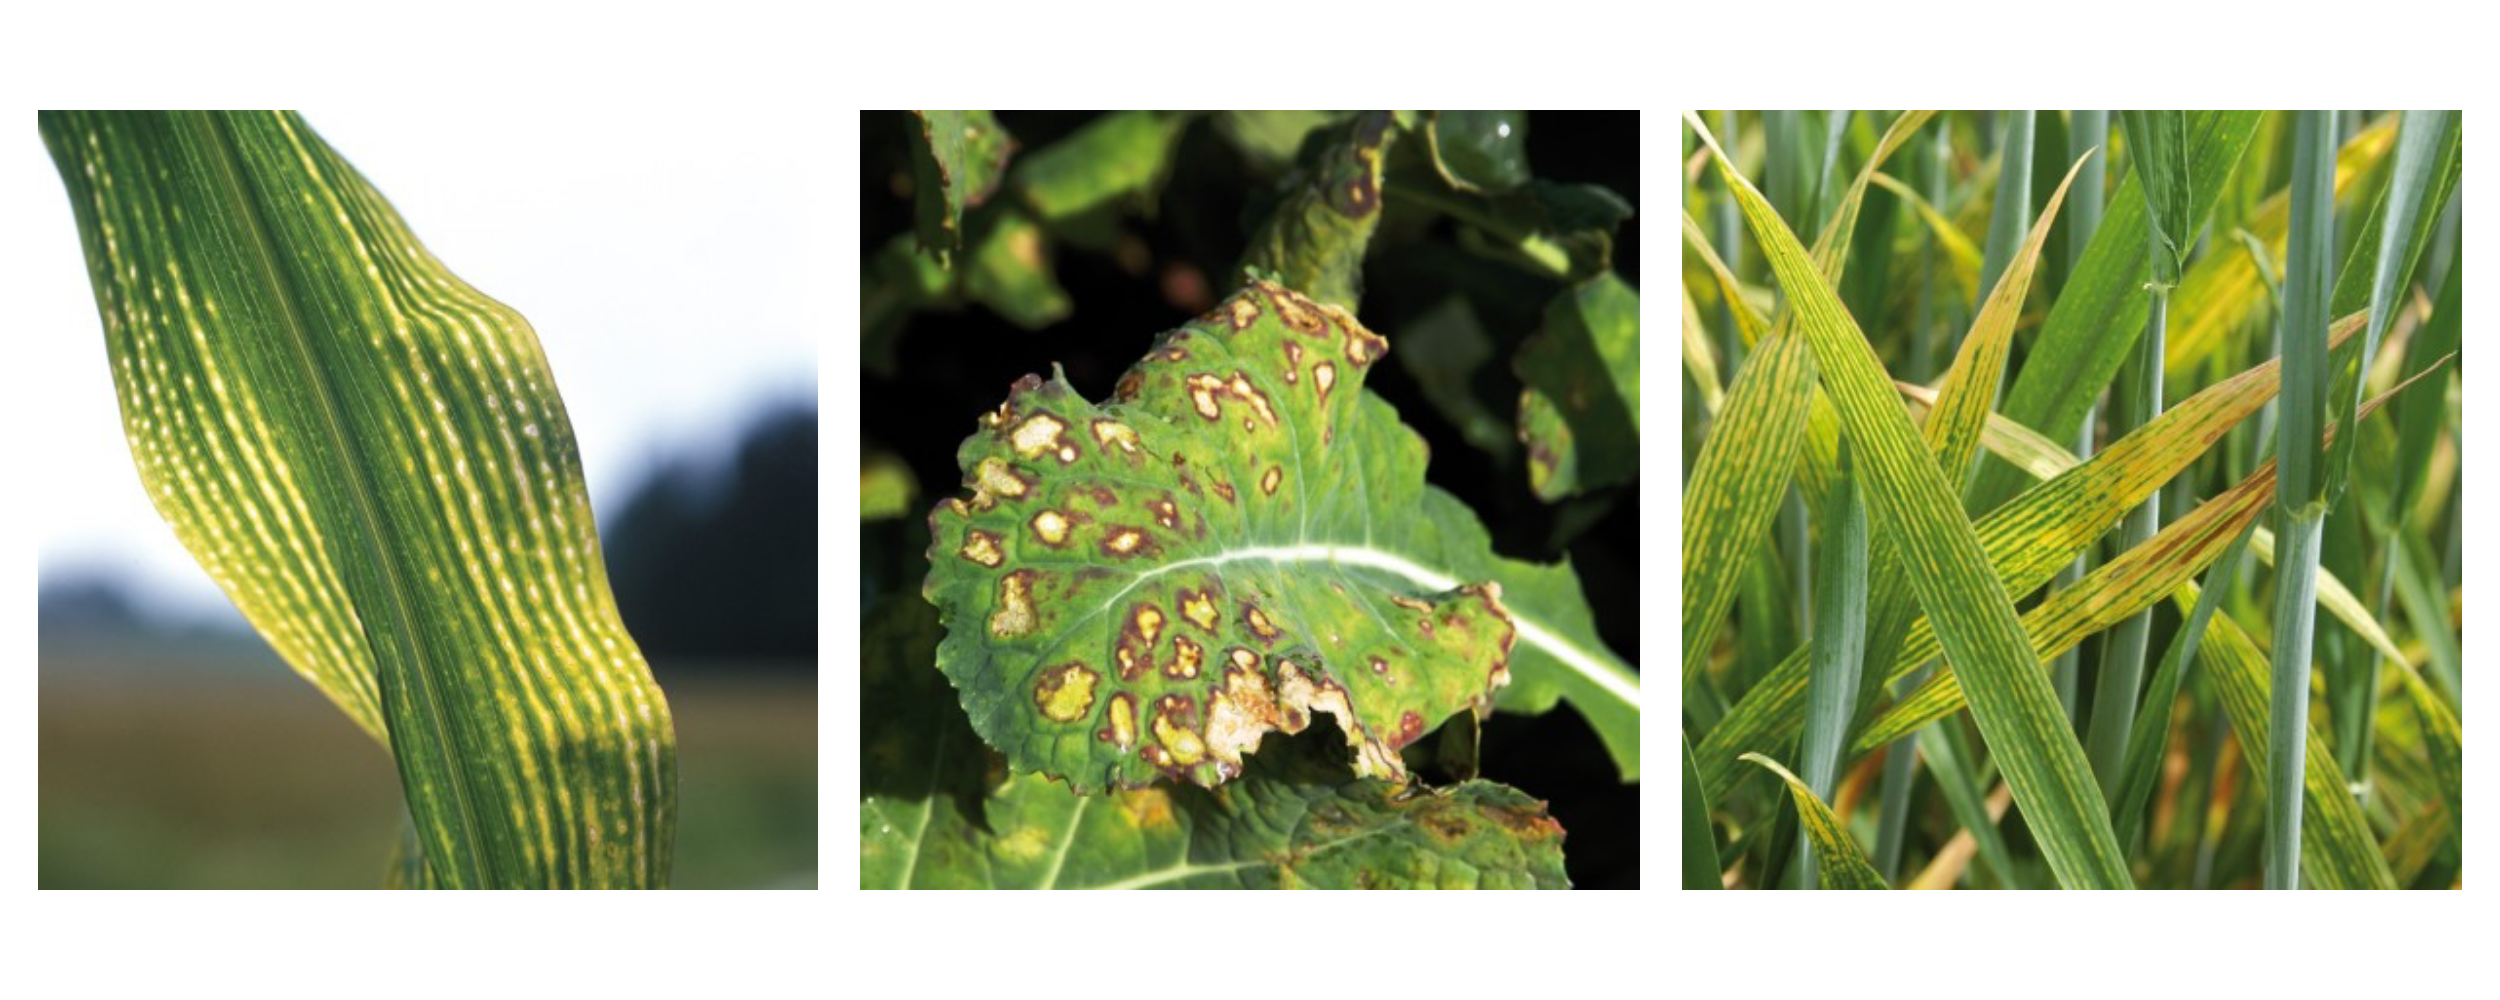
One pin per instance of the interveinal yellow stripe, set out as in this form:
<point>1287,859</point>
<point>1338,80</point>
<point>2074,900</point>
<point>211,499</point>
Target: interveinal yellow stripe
<point>370,458</point>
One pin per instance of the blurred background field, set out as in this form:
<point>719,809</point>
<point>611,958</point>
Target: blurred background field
<point>177,751</point>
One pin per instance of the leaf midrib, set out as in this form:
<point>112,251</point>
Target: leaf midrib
<point>225,169</point>
<point>1365,556</point>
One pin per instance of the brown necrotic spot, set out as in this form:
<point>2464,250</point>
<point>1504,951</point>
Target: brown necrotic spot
<point>1051,527</point>
<point>1299,313</point>
<point>1186,657</point>
<point>1256,621</point>
<point>1066,692</point>
<point>1014,614</point>
<point>1293,362</point>
<point>1361,195</point>
<point>1175,354</point>
<point>1224,490</point>
<point>1120,541</point>
<point>1167,513</point>
<point>1272,478</point>
<point>982,547</point>
<point>1324,378</point>
<point>1410,729</point>
<point>1380,666</point>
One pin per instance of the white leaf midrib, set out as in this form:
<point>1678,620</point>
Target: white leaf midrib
<point>1606,677</point>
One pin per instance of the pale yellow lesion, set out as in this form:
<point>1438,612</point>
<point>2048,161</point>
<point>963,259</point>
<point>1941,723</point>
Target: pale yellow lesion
<point>1269,481</point>
<point>982,547</point>
<point>1182,743</point>
<point>1037,434</point>
<point>1123,713</point>
<point>1125,541</point>
<point>993,478</point>
<point>1065,693</point>
<point>1199,608</point>
<point>1051,527</point>
<point>1324,376</point>
<point>1114,434</point>
<point>1014,615</point>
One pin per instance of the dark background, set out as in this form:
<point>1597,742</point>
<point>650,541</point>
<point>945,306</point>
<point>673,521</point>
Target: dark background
<point>1175,262</point>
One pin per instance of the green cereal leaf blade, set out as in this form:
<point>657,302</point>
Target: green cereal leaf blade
<point>2100,310</point>
<point>2158,143</point>
<point>1701,847</point>
<point>1239,539</point>
<point>370,458</point>
<point>1580,414</point>
<point>2017,711</point>
<point>1837,858</point>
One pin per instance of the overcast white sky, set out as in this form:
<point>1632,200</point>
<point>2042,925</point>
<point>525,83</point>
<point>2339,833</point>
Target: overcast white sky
<point>662,258</point>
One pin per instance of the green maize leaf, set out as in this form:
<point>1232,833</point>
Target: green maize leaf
<point>2136,580</point>
<point>1118,159</point>
<point>1240,538</point>
<point>2158,143</point>
<point>936,814</point>
<point>2101,309</point>
<point>1580,416</point>
<point>2018,713</point>
<point>370,458</point>
<point>957,160</point>
<point>1480,152</point>
<point>2028,540</point>
<point>1701,846</point>
<point>2429,161</point>
<point>2222,290</point>
<point>1011,274</point>
<point>1836,856</point>
<point>1315,238</point>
